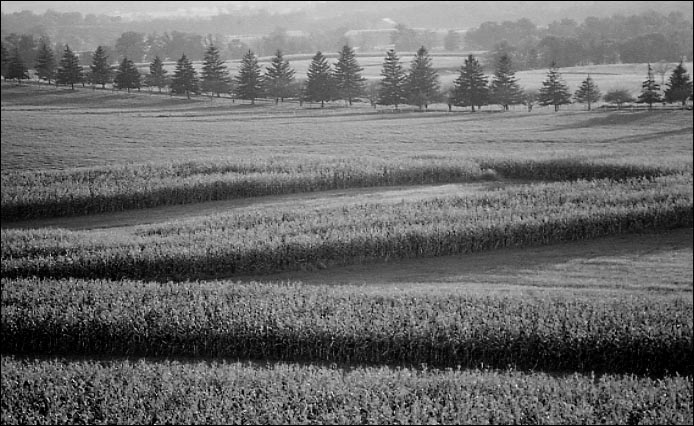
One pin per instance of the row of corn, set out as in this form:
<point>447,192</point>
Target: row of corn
<point>641,334</point>
<point>272,239</point>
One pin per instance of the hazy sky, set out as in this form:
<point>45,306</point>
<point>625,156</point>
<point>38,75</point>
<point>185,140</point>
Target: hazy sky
<point>152,8</point>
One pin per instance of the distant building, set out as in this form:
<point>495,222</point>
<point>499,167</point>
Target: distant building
<point>381,39</point>
<point>366,40</point>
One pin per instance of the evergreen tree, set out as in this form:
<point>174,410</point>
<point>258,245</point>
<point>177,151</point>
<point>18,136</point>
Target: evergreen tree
<point>215,77</point>
<point>249,80</point>
<point>649,90</point>
<point>278,78</point>
<point>185,78</point>
<point>16,67</point>
<point>679,87</point>
<point>4,60</point>
<point>392,85</point>
<point>100,68</point>
<point>319,84</point>
<point>554,91</point>
<point>157,74</point>
<point>69,71</point>
<point>422,81</point>
<point>504,89</point>
<point>348,80</point>
<point>588,92</point>
<point>470,88</point>
<point>45,61</point>
<point>127,76</point>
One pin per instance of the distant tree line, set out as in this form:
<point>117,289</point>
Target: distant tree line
<point>650,37</point>
<point>641,38</point>
<point>419,86</point>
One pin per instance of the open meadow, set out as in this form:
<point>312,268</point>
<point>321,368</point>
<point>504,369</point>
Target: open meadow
<point>607,77</point>
<point>212,261</point>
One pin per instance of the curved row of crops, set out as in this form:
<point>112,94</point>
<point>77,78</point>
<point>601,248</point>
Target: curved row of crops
<point>36,194</point>
<point>169,392</point>
<point>270,240</point>
<point>636,334</point>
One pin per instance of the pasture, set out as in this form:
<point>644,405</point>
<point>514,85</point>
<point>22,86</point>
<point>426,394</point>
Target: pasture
<point>210,261</point>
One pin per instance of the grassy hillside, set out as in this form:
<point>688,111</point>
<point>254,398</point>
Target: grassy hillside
<point>450,267</point>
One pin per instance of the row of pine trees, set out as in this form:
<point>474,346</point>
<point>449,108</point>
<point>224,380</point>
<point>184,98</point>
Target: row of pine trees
<point>419,86</point>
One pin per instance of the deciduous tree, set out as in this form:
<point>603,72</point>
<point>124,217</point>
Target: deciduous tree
<point>618,97</point>
<point>452,41</point>
<point>131,44</point>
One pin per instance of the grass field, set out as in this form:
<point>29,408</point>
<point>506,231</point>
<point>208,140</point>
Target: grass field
<point>204,261</point>
<point>607,77</point>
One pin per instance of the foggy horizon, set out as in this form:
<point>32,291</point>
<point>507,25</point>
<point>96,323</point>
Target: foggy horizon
<point>537,10</point>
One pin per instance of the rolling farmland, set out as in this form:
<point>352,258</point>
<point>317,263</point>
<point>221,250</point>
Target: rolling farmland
<point>210,261</point>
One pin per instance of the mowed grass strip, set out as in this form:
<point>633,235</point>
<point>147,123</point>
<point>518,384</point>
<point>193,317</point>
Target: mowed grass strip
<point>266,240</point>
<point>59,391</point>
<point>644,334</point>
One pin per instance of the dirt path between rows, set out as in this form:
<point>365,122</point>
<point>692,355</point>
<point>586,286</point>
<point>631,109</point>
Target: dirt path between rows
<point>656,262</point>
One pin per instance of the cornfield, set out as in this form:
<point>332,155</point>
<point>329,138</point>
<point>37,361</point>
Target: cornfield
<point>271,239</point>
<point>45,391</point>
<point>290,322</point>
<point>38,194</point>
